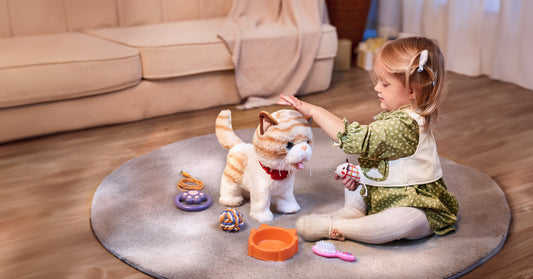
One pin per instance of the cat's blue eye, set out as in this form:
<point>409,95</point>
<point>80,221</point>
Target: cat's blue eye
<point>290,144</point>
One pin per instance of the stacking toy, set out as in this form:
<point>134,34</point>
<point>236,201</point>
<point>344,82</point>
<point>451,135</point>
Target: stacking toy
<point>193,200</point>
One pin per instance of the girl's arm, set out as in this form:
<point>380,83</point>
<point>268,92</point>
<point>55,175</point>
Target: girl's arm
<point>329,122</point>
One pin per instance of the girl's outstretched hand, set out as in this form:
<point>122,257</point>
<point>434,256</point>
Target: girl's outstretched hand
<point>326,120</point>
<point>302,107</point>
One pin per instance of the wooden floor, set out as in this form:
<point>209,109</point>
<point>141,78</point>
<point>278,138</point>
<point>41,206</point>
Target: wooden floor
<point>47,183</point>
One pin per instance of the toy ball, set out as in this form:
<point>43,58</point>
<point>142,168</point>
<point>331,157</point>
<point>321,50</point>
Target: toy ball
<point>231,220</point>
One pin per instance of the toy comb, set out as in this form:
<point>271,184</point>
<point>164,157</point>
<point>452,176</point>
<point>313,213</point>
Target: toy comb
<point>327,249</point>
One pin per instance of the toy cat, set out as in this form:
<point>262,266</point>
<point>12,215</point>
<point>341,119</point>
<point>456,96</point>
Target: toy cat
<point>281,144</point>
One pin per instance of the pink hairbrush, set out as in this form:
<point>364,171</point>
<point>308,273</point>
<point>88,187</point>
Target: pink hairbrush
<point>327,250</point>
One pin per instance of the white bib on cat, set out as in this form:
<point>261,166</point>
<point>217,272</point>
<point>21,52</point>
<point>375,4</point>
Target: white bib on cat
<point>420,168</point>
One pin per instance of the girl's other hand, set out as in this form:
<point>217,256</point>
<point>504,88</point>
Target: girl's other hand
<point>348,183</point>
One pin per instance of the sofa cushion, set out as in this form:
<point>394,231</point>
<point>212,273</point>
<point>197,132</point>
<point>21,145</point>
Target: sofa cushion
<point>188,47</point>
<point>174,49</point>
<point>5,25</point>
<point>32,17</point>
<point>43,68</point>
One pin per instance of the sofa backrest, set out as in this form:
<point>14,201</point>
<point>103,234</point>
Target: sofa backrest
<point>31,17</point>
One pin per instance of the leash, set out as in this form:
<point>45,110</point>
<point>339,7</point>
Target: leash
<point>189,183</point>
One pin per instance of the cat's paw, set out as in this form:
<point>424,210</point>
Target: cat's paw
<point>287,208</point>
<point>262,217</point>
<point>230,201</point>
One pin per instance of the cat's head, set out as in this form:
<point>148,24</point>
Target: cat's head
<point>283,140</point>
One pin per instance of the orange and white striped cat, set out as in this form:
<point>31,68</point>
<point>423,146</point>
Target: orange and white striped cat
<point>281,144</point>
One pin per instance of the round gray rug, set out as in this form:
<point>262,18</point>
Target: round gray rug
<point>134,217</point>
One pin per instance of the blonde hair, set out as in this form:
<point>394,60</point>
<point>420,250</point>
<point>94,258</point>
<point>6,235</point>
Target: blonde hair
<point>400,58</point>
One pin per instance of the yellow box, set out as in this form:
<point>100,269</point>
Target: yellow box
<point>364,59</point>
<point>366,50</point>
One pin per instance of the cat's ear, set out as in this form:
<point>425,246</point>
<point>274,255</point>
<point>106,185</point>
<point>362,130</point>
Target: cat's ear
<point>265,121</point>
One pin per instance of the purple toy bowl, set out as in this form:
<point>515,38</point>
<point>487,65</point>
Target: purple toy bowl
<point>193,200</point>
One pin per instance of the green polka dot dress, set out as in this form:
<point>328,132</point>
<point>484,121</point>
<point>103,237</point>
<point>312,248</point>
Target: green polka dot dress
<point>395,135</point>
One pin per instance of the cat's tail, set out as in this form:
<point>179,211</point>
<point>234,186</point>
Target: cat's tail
<point>224,130</point>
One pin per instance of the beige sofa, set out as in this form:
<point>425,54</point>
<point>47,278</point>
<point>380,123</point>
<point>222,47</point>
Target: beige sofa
<point>73,64</point>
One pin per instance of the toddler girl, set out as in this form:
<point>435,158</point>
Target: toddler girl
<point>402,193</point>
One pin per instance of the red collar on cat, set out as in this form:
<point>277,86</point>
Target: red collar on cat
<point>275,174</point>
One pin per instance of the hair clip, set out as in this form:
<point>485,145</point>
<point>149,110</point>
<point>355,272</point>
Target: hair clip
<point>423,60</point>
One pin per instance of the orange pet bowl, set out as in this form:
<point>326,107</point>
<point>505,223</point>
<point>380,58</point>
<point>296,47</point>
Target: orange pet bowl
<point>271,243</point>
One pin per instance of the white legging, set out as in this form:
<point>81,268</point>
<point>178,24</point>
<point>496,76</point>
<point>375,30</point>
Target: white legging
<point>352,222</point>
<point>389,225</point>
